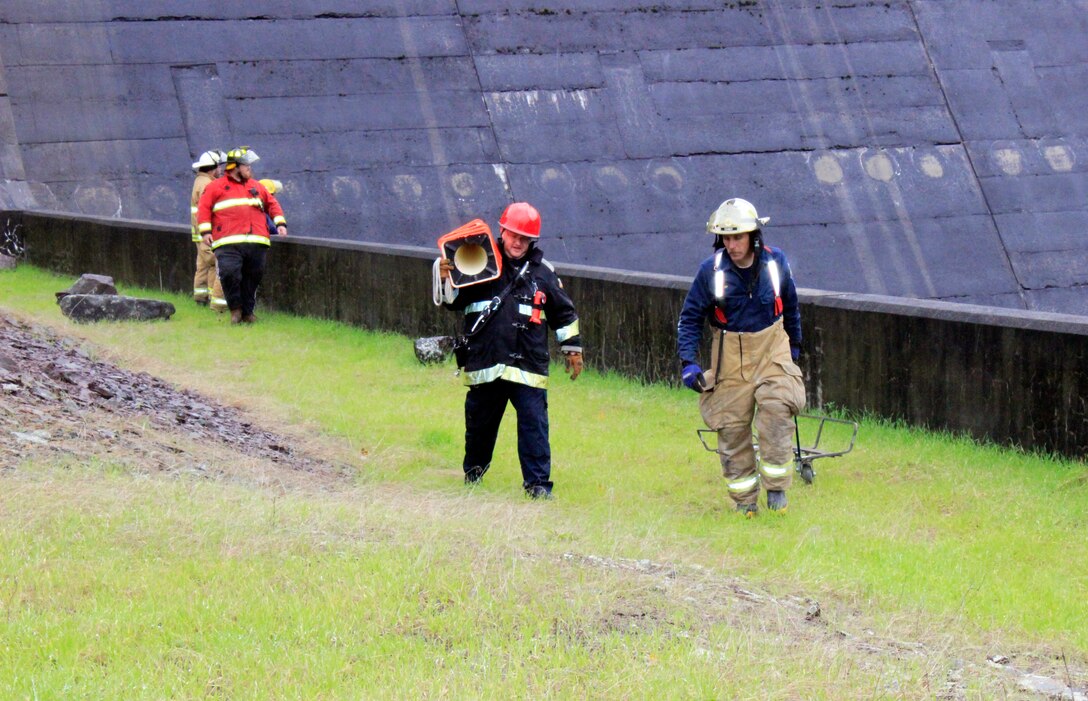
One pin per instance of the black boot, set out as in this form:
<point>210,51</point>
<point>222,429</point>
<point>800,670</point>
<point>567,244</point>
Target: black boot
<point>473,475</point>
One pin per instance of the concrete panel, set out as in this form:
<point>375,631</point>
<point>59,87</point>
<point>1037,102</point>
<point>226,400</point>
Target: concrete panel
<point>367,149</point>
<point>745,132</point>
<point>1025,157</point>
<point>50,84</point>
<point>1035,193</point>
<point>97,120</point>
<point>179,41</point>
<point>981,106</point>
<point>203,109</point>
<point>876,59</point>
<point>91,161</point>
<point>1044,231</point>
<point>302,115</point>
<point>1069,106</point>
<point>22,11</point>
<point>342,77</point>
<point>559,71</point>
<point>1050,268</point>
<point>962,33</point>
<point>544,126</point>
<point>56,44</point>
<point>1070,300</point>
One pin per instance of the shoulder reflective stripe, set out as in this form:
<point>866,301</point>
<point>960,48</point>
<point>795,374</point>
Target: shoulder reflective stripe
<point>241,238</point>
<point>505,372</point>
<point>567,332</point>
<point>204,227</point>
<point>772,268</point>
<point>775,470</point>
<point>476,307</point>
<point>548,263</point>
<point>237,202</point>
<point>744,485</point>
<point>719,277</point>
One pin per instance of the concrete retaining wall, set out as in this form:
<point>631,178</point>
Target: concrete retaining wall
<point>1012,377</point>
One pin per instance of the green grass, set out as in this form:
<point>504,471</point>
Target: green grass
<point>404,585</point>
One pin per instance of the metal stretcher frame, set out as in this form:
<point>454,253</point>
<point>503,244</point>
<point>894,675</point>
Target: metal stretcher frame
<point>803,456</point>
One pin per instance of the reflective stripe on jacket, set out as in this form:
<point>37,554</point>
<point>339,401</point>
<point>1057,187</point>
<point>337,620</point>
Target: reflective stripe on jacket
<point>513,345</point>
<point>234,212</point>
<point>723,288</point>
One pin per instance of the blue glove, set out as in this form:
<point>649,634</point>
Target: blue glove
<point>692,376</point>
<point>795,353</point>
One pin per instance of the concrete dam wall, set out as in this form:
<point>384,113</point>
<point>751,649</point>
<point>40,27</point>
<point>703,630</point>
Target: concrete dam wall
<point>917,148</point>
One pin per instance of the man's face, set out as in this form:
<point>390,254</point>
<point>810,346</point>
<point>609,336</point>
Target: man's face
<point>515,244</point>
<point>245,172</point>
<point>739,248</point>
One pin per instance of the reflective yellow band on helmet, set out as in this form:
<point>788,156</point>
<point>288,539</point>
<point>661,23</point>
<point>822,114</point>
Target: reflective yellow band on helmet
<point>505,372</point>
<point>567,332</point>
<point>236,202</point>
<point>241,238</point>
<point>775,470</point>
<point>744,485</point>
<point>204,227</point>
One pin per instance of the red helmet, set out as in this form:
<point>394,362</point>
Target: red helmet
<point>521,218</point>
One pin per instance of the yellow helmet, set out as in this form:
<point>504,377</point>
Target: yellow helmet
<point>241,156</point>
<point>735,216</point>
<point>273,186</point>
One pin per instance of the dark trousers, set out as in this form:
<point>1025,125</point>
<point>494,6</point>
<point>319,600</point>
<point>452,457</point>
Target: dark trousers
<point>484,407</point>
<point>241,267</point>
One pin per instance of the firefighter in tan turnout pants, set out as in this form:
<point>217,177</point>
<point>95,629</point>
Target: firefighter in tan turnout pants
<point>206,286</point>
<point>746,291</point>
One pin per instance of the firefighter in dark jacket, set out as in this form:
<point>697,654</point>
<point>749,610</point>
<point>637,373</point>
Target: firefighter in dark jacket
<point>746,291</point>
<point>507,360</point>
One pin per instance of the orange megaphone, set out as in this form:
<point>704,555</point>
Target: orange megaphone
<point>474,253</point>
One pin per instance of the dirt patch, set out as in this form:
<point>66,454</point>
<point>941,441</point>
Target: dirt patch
<point>56,401</point>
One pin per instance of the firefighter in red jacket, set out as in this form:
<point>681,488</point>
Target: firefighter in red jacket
<point>232,218</point>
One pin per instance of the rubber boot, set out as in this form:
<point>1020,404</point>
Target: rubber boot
<point>748,510</point>
<point>235,316</point>
<point>776,500</point>
<point>249,319</point>
<point>538,491</point>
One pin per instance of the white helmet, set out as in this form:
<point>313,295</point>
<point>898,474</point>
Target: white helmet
<point>735,216</point>
<point>209,158</point>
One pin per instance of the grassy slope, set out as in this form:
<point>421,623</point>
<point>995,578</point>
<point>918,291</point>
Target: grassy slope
<point>408,584</point>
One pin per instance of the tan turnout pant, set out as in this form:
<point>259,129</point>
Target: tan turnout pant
<point>751,371</point>
<point>206,285</point>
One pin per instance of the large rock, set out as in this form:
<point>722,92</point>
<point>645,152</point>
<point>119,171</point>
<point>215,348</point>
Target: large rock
<point>89,284</point>
<point>84,308</point>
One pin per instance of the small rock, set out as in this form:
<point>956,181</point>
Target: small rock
<point>37,437</point>
<point>1000,660</point>
<point>433,349</point>
<point>89,284</point>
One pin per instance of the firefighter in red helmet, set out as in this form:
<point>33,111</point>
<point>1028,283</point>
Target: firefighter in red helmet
<point>506,361</point>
